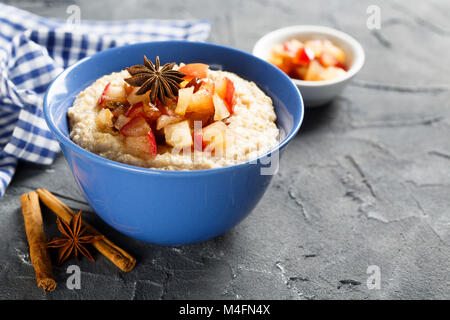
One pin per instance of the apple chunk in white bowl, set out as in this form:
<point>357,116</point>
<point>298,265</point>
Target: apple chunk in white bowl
<point>316,93</point>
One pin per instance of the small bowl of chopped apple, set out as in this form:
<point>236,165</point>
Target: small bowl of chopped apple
<point>319,60</point>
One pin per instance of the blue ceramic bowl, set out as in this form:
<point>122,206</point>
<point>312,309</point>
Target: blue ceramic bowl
<point>170,207</point>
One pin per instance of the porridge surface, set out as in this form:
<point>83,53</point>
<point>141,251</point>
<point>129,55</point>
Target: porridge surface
<point>251,129</point>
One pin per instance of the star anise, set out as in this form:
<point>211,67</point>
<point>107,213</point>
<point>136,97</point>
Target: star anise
<point>163,82</point>
<point>73,239</point>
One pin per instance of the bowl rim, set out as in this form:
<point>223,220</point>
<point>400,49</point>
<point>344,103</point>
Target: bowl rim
<point>302,29</point>
<point>153,171</point>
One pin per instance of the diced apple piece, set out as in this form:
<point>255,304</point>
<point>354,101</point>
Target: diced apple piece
<point>165,120</point>
<point>221,87</point>
<point>283,54</point>
<point>229,95</point>
<point>304,56</point>
<point>224,88</point>
<point>193,70</point>
<point>117,93</point>
<point>277,55</point>
<point>278,50</point>
<point>331,73</point>
<point>292,47</point>
<point>121,121</point>
<point>104,120</point>
<point>316,46</point>
<point>133,98</point>
<point>335,51</point>
<point>201,102</point>
<point>214,130</point>
<point>214,136</point>
<point>314,71</point>
<point>327,60</point>
<point>184,99</point>
<point>203,118</point>
<point>208,85</point>
<point>113,92</point>
<point>178,135</point>
<point>221,110</point>
<point>142,146</point>
<point>136,127</point>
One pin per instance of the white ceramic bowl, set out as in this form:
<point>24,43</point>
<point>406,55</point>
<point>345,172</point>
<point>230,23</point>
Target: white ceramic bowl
<point>316,93</point>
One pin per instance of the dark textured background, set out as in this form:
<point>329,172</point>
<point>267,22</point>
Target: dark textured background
<point>365,182</point>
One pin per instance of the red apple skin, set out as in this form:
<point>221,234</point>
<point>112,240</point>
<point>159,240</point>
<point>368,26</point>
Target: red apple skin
<point>342,66</point>
<point>103,95</point>
<point>229,96</point>
<point>193,70</point>
<point>152,144</point>
<point>304,56</point>
<point>224,88</point>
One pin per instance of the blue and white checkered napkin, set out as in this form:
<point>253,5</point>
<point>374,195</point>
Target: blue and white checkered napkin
<point>34,50</point>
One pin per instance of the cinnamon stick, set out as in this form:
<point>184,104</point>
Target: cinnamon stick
<point>122,259</point>
<point>34,228</point>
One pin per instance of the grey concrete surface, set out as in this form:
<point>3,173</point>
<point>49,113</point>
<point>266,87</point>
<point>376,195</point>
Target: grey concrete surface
<point>365,182</point>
